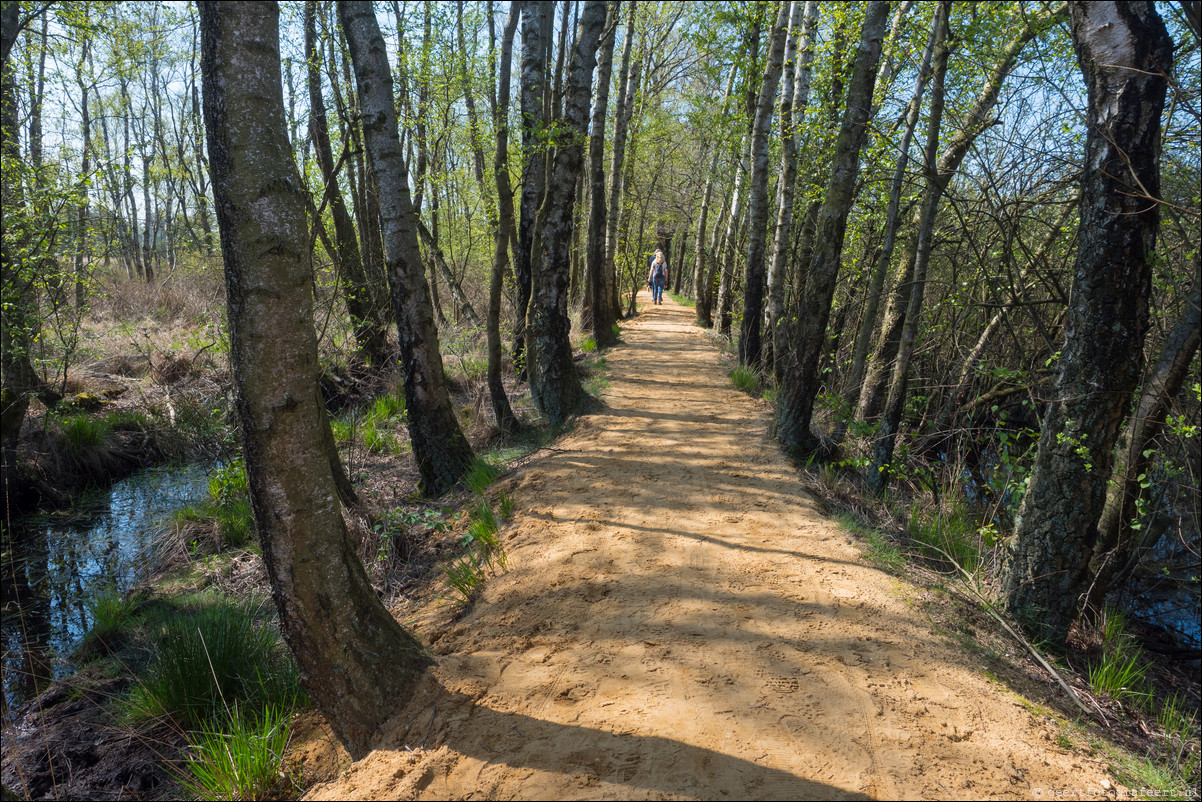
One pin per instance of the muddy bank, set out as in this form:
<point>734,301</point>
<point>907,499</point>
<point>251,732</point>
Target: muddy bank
<point>64,745</point>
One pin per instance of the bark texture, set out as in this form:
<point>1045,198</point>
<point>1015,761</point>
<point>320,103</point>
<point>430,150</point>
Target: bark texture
<point>356,662</point>
<point>554,385</point>
<point>536,20</point>
<point>1124,52</point>
<point>792,111</point>
<point>799,388</point>
<point>750,347</point>
<point>442,453</point>
<point>598,298</point>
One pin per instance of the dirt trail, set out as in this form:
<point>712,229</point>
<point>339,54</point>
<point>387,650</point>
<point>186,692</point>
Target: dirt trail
<point>679,621</point>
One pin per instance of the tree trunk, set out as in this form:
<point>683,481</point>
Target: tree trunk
<point>799,388</point>
<point>507,421</point>
<point>598,298</point>
<point>356,662</point>
<point>878,478</point>
<point>554,385</point>
<point>628,81</point>
<point>876,282</point>
<point>1116,535</point>
<point>463,306</point>
<point>442,453</point>
<point>792,110</point>
<point>975,123</point>
<point>536,16</point>
<point>750,348</point>
<point>81,220</point>
<point>726,259</point>
<point>370,334</point>
<point>1125,53</point>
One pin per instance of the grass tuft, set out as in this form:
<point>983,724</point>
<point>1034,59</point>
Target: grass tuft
<point>82,433</point>
<point>745,379</point>
<point>481,475</point>
<point>241,757</point>
<point>208,654</point>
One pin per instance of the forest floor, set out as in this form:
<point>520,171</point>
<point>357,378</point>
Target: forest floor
<point>679,620</point>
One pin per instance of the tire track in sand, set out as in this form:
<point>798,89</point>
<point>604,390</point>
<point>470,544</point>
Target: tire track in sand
<point>680,622</point>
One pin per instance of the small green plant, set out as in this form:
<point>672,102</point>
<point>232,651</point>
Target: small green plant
<point>110,611</point>
<point>1181,749</point>
<point>615,330</point>
<point>506,502</point>
<point>387,406</point>
<point>1121,672</point>
<point>588,344</point>
<point>745,378</point>
<point>465,576</point>
<point>241,757</point>
<point>377,438</point>
<point>481,535</point>
<point>481,475</point>
<point>229,504</point>
<point>597,372</point>
<point>880,552</point>
<point>482,553</point>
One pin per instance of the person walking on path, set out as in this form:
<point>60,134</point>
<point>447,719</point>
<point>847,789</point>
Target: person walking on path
<point>657,277</point>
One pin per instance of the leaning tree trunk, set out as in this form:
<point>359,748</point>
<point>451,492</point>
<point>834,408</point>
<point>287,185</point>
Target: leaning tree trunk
<point>1125,54</point>
<point>507,422</point>
<point>442,453</point>
<point>1116,535</point>
<point>356,662</point>
<point>554,385</point>
<point>876,282</point>
<point>886,441</point>
<point>371,337</point>
<point>750,347</point>
<point>799,387</point>
<point>536,18</point>
<point>595,292</point>
<point>977,121</point>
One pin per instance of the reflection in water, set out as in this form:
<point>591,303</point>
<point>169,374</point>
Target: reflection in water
<point>55,563</point>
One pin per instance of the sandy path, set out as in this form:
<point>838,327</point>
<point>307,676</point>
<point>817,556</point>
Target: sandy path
<point>678,621</point>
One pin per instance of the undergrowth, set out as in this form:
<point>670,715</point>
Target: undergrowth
<point>745,378</point>
<point>949,539</point>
